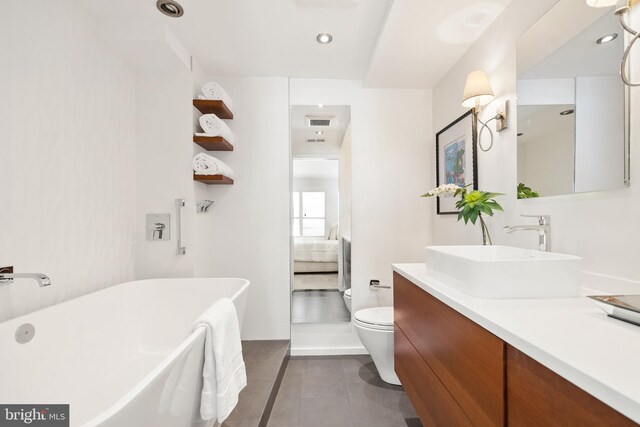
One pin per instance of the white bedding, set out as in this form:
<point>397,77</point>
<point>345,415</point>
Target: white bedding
<point>309,249</point>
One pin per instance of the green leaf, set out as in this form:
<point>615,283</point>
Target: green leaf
<point>473,216</point>
<point>525,192</point>
<point>492,195</point>
<point>494,205</point>
<point>486,209</point>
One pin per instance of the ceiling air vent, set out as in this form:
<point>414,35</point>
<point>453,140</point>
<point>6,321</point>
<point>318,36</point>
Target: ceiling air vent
<point>319,121</point>
<point>316,140</point>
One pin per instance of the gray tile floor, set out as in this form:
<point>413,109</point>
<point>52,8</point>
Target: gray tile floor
<point>312,281</point>
<point>262,360</point>
<point>339,391</point>
<point>318,306</point>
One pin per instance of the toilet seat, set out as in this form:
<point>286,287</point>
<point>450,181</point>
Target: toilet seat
<point>375,318</point>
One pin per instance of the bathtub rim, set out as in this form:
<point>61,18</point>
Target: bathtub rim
<point>109,288</point>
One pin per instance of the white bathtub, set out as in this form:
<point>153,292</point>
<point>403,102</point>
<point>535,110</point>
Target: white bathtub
<point>123,356</point>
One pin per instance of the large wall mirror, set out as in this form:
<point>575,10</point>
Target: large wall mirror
<point>321,213</point>
<point>573,115</point>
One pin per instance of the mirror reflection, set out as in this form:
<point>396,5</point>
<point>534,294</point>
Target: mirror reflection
<point>572,115</point>
<point>321,213</point>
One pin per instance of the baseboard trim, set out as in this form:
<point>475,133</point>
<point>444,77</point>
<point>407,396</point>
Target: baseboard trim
<point>328,351</point>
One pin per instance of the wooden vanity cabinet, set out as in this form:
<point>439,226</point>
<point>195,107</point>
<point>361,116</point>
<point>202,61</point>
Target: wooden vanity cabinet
<point>457,373</point>
<point>536,396</point>
<point>467,359</point>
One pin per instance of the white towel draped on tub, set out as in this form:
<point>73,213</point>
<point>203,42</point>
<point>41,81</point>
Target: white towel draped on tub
<point>214,126</point>
<point>213,90</point>
<point>204,164</point>
<point>224,374</point>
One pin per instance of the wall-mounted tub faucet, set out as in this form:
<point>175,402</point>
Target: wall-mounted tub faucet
<point>543,228</point>
<point>42,279</point>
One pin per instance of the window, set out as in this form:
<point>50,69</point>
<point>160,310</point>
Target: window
<point>308,214</point>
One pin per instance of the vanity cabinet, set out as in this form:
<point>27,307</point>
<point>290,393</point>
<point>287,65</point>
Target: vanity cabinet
<point>457,373</point>
<point>467,360</point>
<point>536,396</point>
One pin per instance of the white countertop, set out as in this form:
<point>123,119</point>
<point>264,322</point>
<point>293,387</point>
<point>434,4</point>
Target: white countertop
<point>570,336</point>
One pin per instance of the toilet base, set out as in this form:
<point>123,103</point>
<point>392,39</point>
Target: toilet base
<point>379,344</point>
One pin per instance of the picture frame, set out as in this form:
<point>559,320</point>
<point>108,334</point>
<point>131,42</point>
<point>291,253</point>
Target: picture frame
<point>456,159</point>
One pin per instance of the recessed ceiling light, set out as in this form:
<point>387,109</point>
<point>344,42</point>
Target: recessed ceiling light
<point>170,8</point>
<point>608,38</point>
<point>324,38</point>
<point>567,112</point>
<point>319,132</point>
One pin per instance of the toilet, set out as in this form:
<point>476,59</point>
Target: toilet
<point>375,328</point>
<point>347,299</point>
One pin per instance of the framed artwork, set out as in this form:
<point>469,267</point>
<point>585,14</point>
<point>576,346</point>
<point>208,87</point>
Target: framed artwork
<point>456,159</point>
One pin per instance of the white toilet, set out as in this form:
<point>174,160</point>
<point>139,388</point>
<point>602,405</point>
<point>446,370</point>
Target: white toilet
<point>347,299</point>
<point>375,328</point>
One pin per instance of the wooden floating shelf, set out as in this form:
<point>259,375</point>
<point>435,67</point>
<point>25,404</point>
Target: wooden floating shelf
<point>213,143</point>
<point>213,179</point>
<point>211,106</point>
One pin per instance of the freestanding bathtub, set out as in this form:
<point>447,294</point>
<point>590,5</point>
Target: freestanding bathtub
<point>123,356</point>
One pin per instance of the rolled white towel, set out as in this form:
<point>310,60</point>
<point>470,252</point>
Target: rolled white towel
<point>213,126</point>
<point>213,90</point>
<point>204,164</point>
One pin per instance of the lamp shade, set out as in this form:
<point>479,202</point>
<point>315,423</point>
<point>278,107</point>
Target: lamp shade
<point>601,3</point>
<point>477,90</point>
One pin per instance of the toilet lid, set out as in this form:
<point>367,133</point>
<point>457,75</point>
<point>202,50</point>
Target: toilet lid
<point>381,316</point>
<point>348,292</point>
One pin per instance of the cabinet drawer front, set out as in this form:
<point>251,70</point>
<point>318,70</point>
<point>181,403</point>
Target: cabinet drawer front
<point>467,359</point>
<point>537,396</point>
<point>431,400</point>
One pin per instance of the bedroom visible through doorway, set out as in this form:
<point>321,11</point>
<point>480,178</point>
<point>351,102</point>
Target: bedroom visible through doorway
<point>319,208</point>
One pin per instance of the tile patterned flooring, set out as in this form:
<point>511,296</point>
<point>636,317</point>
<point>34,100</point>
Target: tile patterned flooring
<point>314,281</point>
<point>318,306</point>
<point>263,360</point>
<point>339,391</point>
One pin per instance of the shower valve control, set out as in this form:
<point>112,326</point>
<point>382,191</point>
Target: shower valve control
<point>158,227</point>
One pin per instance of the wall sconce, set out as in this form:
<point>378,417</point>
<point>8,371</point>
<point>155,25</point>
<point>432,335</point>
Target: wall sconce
<point>622,8</point>
<point>477,94</point>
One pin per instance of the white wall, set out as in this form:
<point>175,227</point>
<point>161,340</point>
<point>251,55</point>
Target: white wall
<point>390,222</point>
<point>600,227</point>
<point>599,133</point>
<point>67,155</point>
<point>250,219</point>
<point>546,163</point>
<point>546,91</point>
<point>345,185</point>
<point>164,153</point>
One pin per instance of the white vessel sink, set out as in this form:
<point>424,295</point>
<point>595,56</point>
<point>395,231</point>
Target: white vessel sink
<point>505,272</point>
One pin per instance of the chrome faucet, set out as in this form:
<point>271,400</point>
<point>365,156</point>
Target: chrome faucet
<point>42,279</point>
<point>543,228</point>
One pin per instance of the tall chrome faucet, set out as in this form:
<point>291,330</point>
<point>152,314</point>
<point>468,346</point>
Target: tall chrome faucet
<point>543,228</point>
<point>42,279</point>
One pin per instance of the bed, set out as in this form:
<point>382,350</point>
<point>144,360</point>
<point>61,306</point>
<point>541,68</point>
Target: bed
<point>315,255</point>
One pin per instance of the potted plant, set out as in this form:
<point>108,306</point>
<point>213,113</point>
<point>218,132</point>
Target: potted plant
<point>471,206</point>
